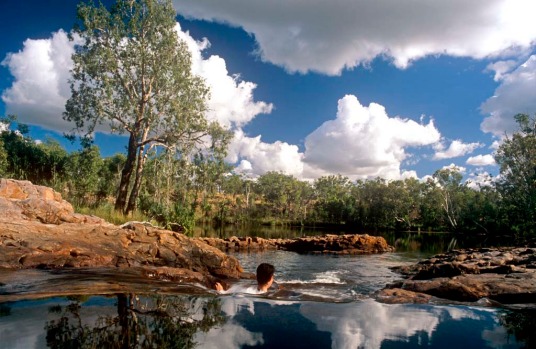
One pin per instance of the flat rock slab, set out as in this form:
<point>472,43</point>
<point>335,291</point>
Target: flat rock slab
<point>506,275</point>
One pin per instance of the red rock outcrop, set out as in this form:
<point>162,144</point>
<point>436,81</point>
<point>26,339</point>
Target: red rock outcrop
<point>38,229</point>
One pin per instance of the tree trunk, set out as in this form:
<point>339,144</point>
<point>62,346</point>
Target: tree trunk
<point>121,200</point>
<point>137,183</point>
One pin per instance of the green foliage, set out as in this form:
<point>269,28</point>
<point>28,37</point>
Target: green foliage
<point>132,73</point>
<point>23,158</point>
<point>179,191</point>
<point>109,176</point>
<point>334,203</point>
<point>176,217</point>
<point>451,192</point>
<point>516,157</point>
<point>83,169</point>
<point>107,212</point>
<point>286,198</point>
<point>3,159</point>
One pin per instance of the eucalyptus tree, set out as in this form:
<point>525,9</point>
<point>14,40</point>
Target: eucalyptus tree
<point>516,157</point>
<point>284,194</point>
<point>374,206</point>
<point>404,198</point>
<point>451,189</point>
<point>133,74</point>
<point>333,198</point>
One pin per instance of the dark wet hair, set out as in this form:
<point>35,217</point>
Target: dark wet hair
<point>265,272</point>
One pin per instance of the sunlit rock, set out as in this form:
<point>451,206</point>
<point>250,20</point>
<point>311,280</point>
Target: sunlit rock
<point>38,229</point>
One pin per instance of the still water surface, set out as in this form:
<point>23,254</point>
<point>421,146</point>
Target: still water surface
<point>325,302</point>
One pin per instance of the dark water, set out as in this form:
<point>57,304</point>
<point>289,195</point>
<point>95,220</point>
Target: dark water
<point>324,302</point>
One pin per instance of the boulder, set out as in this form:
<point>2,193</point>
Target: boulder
<point>503,275</point>
<point>38,229</point>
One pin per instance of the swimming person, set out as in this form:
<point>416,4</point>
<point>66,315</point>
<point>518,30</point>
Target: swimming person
<point>265,278</point>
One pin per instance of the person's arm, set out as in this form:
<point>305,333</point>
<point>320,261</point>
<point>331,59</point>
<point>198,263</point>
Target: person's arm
<point>219,287</point>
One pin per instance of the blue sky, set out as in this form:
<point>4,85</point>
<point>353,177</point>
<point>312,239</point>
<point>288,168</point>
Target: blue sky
<point>360,88</point>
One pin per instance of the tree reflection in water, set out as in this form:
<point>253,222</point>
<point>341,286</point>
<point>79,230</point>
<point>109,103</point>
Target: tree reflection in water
<point>522,324</point>
<point>141,322</point>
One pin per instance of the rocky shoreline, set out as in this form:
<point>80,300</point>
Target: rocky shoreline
<point>505,275</point>
<point>38,229</point>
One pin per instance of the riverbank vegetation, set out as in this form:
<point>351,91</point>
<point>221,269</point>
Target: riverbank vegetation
<point>175,192</point>
<point>132,75</point>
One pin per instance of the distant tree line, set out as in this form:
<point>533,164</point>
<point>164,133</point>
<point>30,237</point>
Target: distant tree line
<point>175,191</point>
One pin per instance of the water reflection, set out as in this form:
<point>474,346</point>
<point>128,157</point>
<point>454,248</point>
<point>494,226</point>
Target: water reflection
<point>148,322</point>
<point>368,324</point>
<point>122,321</point>
<point>238,321</point>
<point>522,325</point>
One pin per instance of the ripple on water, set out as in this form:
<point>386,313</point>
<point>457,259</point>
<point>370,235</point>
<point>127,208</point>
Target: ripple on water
<point>327,277</point>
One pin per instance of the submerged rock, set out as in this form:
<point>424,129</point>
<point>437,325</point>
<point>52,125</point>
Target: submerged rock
<point>38,229</point>
<point>506,275</point>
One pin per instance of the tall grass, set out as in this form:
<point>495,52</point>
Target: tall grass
<point>109,214</point>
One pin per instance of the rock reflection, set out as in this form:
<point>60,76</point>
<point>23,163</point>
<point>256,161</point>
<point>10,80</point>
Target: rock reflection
<point>139,322</point>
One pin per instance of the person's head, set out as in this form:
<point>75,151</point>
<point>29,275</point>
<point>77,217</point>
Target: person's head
<point>265,275</point>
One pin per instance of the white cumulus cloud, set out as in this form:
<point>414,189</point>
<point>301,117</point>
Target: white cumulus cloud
<point>501,68</point>
<point>456,148</point>
<point>455,168</point>
<point>40,89</point>
<point>329,36</point>
<point>231,102</point>
<point>42,68</point>
<point>364,142</point>
<point>481,160</point>
<point>257,157</point>
<point>479,180</point>
<point>514,95</point>
<point>361,142</point>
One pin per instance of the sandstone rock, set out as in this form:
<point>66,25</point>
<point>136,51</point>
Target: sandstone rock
<point>398,295</point>
<point>327,244</point>
<point>502,275</point>
<point>38,229</point>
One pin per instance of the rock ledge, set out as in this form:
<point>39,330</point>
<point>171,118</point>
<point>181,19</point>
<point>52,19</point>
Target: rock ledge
<point>506,275</point>
<point>38,229</point>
